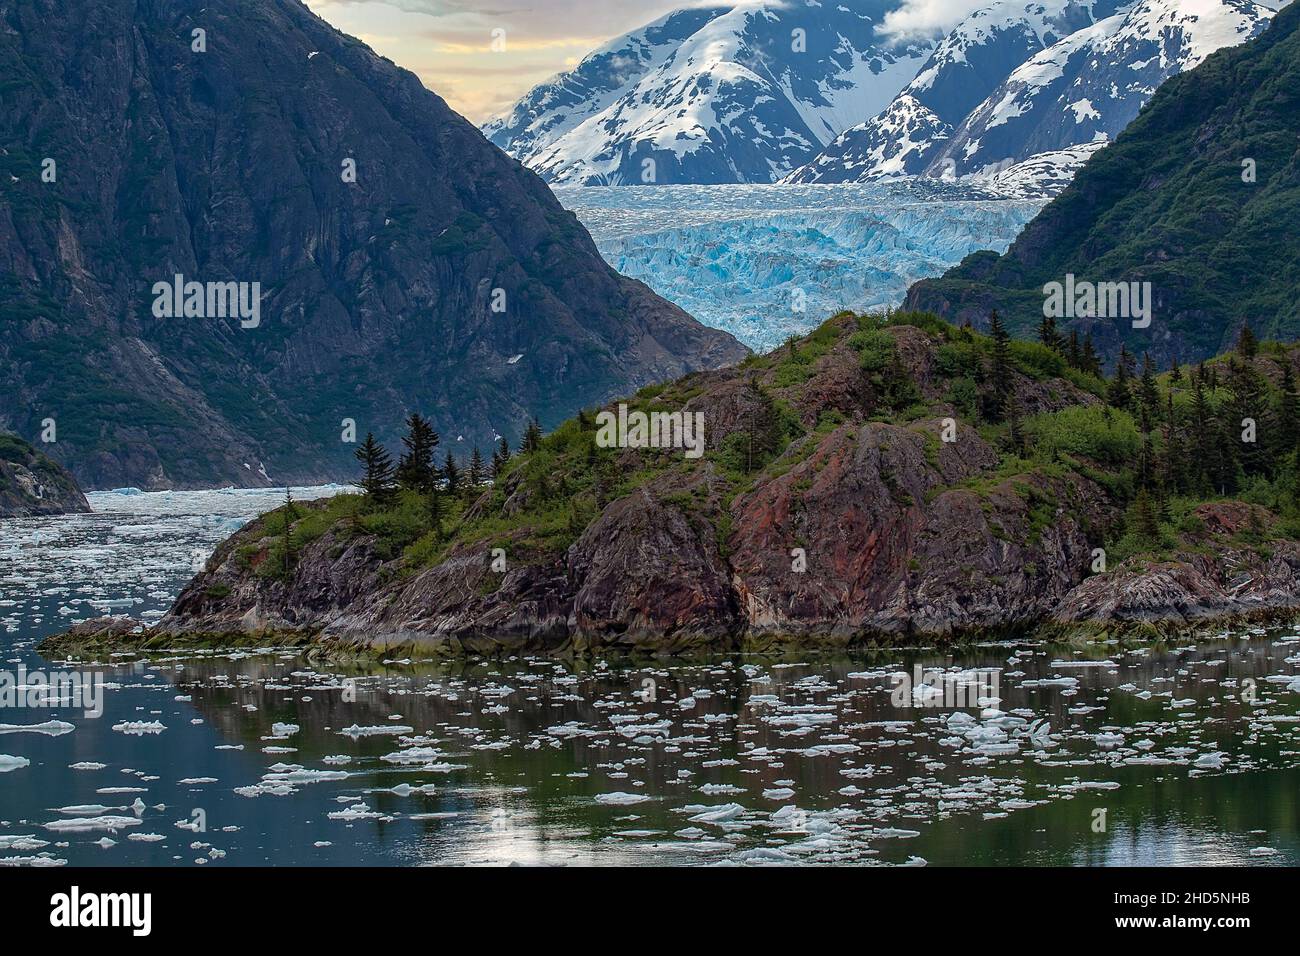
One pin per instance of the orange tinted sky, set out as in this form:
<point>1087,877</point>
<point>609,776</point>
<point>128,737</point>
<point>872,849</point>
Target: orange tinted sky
<point>448,43</point>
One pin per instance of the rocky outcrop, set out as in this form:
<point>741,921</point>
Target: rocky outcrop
<point>886,517</point>
<point>31,484</point>
<point>1198,586</point>
<point>402,261</point>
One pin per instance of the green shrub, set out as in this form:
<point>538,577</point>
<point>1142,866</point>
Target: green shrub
<point>1096,432</point>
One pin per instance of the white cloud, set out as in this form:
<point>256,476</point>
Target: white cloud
<point>927,18</point>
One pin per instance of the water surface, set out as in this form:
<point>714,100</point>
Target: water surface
<point>1168,755</point>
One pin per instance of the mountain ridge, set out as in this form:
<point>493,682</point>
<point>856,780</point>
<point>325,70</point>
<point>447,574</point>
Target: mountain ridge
<point>733,93</point>
<point>1084,71</point>
<point>227,164</point>
<point>1196,197</point>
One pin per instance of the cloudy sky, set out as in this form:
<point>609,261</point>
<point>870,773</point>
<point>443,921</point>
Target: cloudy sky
<point>448,43</point>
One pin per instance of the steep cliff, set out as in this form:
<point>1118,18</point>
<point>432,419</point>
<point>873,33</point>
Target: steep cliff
<point>396,259</point>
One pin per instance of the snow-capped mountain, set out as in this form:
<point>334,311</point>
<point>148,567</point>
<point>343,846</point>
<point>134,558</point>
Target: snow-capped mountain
<point>1072,73</point>
<point>966,66</point>
<point>738,93</point>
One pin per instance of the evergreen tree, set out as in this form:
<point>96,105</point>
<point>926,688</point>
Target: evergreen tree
<point>1073,356</point>
<point>415,469</point>
<point>1204,467</point>
<point>451,474</point>
<point>1287,414</point>
<point>500,458</point>
<point>1091,363</point>
<point>1145,464</point>
<point>1048,334</point>
<point>377,471</point>
<point>477,471</point>
<point>1175,372</point>
<point>1015,429</point>
<point>1226,446</point>
<point>1149,392</point>
<point>290,516</point>
<point>1249,404</point>
<point>1120,393</point>
<point>1247,344</point>
<point>434,509</point>
<point>1000,381</point>
<point>1175,465</point>
<point>1144,517</point>
<point>532,436</point>
<point>762,426</point>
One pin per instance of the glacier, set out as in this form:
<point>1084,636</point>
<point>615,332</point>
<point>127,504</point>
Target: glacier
<point>765,262</point>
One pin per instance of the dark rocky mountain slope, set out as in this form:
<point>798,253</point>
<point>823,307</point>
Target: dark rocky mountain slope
<point>1198,196</point>
<point>227,164</point>
<point>31,484</point>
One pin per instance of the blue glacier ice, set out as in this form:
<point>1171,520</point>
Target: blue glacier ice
<point>765,262</point>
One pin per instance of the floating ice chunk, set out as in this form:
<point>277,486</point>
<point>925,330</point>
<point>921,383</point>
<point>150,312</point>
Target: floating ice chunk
<point>138,728</point>
<point>51,728</point>
<point>9,763</point>
<point>620,799</point>
<point>85,824</point>
<point>358,811</point>
<point>394,730</point>
<point>31,861</point>
<point>1070,682</point>
<point>722,814</point>
<point>305,776</point>
<point>85,810</point>
<point>25,843</point>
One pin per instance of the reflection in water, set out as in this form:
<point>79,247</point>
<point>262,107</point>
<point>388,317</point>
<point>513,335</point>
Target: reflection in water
<point>1167,755</point>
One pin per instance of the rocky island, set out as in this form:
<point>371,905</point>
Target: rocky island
<point>885,479</point>
<point>31,484</point>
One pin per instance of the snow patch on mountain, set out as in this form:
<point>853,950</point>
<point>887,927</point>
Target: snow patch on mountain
<point>732,94</point>
<point>1092,84</point>
<point>1015,80</point>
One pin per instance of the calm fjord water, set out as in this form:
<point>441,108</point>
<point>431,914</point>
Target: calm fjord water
<point>260,758</point>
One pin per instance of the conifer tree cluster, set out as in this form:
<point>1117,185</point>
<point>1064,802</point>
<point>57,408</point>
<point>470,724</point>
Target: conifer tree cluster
<point>417,473</point>
<point>1205,434</point>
